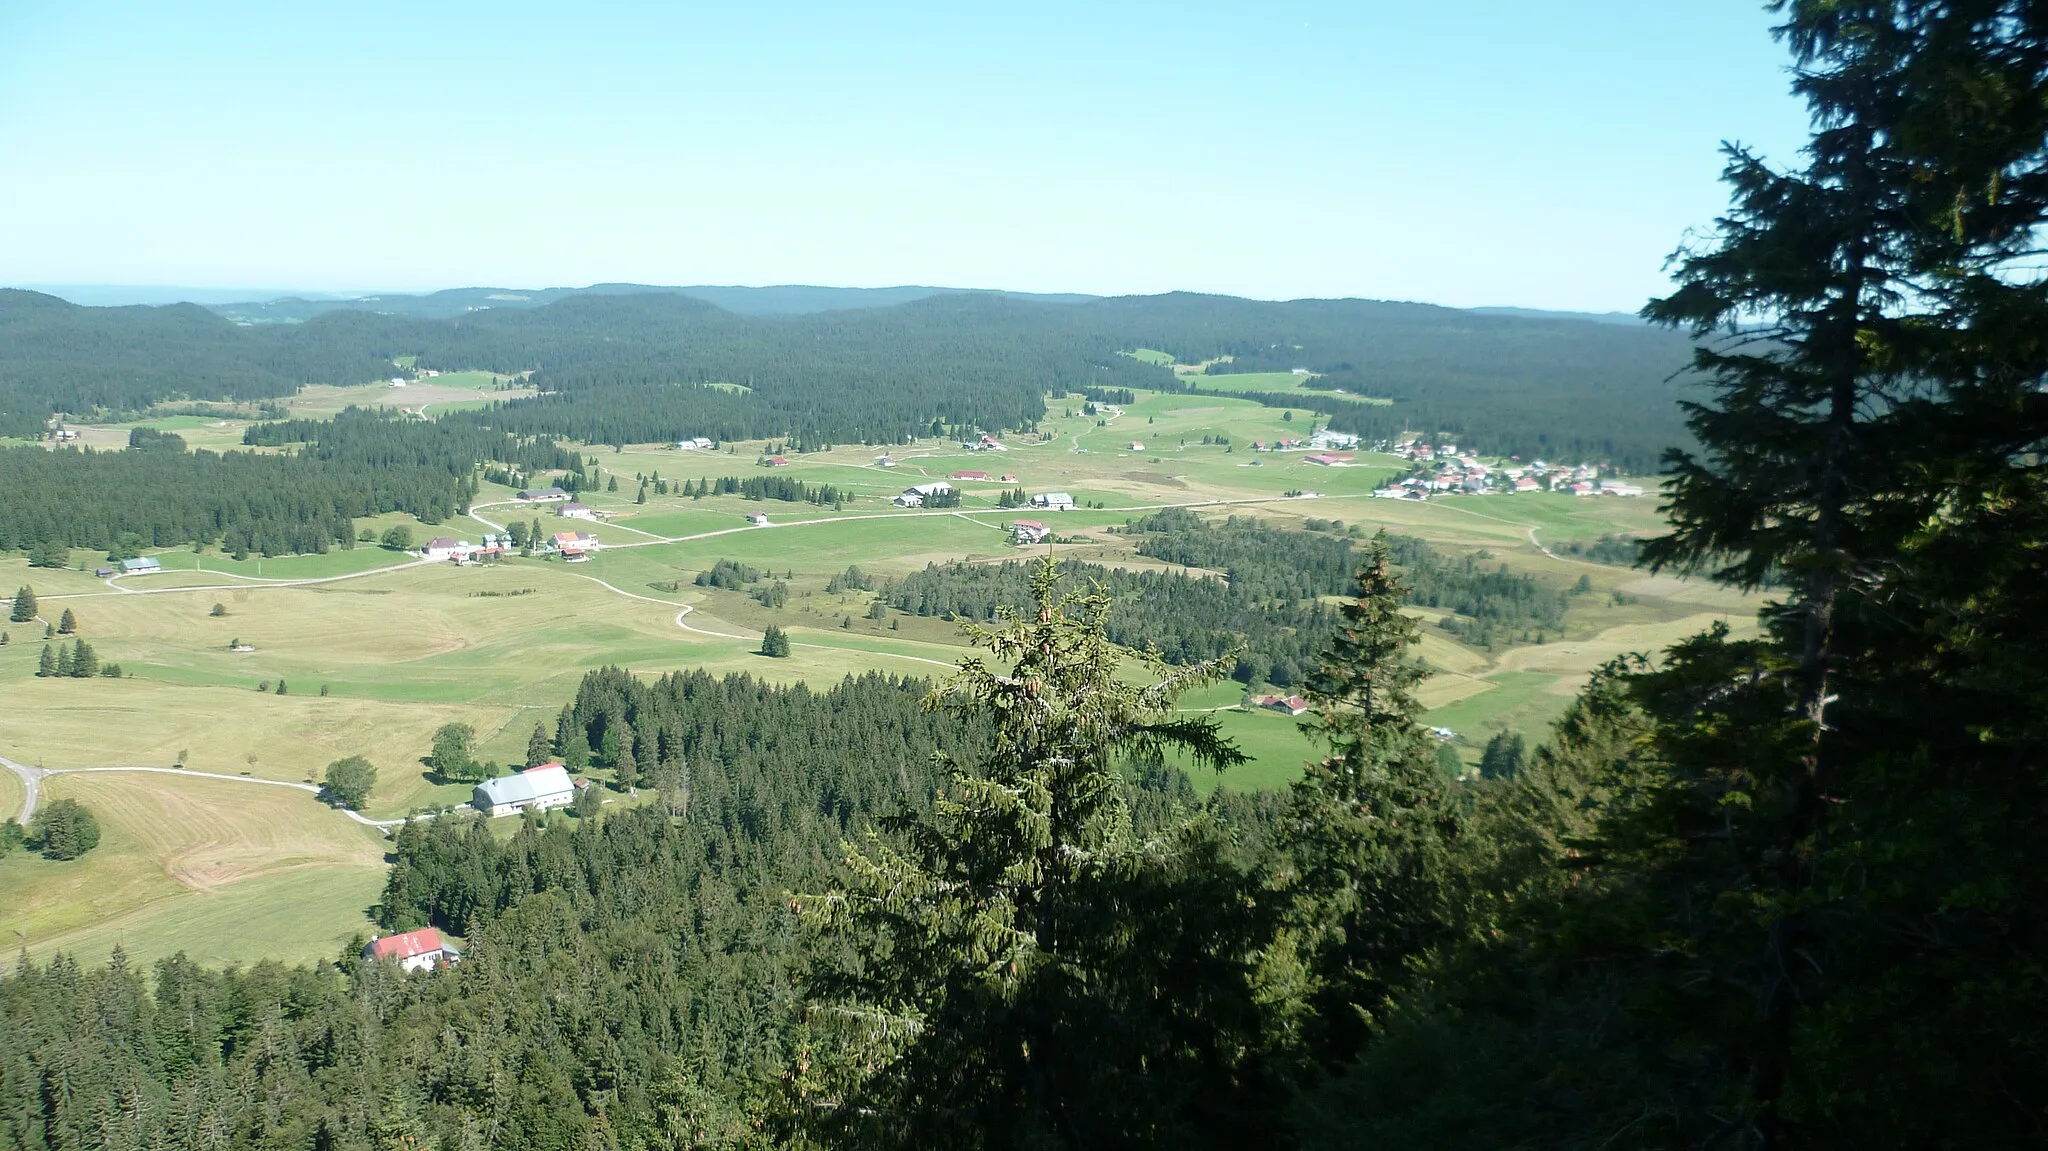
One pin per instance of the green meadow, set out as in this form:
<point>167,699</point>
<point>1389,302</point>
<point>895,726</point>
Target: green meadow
<point>383,650</point>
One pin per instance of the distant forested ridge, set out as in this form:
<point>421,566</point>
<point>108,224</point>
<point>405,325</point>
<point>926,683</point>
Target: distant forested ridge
<point>59,357</point>
<point>626,365</point>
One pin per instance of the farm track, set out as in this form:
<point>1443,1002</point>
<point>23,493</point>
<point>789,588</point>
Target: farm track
<point>31,778</point>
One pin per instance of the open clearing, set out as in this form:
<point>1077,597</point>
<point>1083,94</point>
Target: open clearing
<point>230,872</point>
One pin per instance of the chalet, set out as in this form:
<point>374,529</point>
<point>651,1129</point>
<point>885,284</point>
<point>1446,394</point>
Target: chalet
<point>885,461</point>
<point>916,495</point>
<point>758,519</point>
<point>989,443</point>
<point>66,434</point>
<point>1030,531</point>
<point>1321,459</point>
<point>444,548</point>
<point>576,511</point>
<point>970,475</point>
<point>535,789</point>
<point>1055,501</point>
<point>1008,478</point>
<point>397,383</point>
<point>574,544</point>
<point>1629,491</point>
<point>541,495</point>
<point>775,462</point>
<point>694,444</point>
<point>1582,488</point>
<point>1137,445</point>
<point>104,572</point>
<point>1389,493</point>
<point>1526,484</point>
<point>140,566</point>
<point>1291,704</point>
<point>421,950</point>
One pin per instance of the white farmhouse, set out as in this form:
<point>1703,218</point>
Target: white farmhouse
<point>421,950</point>
<point>1055,501</point>
<point>536,788</point>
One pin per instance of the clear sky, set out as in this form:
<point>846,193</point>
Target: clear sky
<point>1545,154</point>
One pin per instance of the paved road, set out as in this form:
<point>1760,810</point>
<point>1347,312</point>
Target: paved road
<point>31,777</point>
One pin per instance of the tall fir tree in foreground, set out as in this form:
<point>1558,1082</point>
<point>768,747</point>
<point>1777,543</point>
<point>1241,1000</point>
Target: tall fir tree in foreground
<point>1031,971</point>
<point>1367,844</point>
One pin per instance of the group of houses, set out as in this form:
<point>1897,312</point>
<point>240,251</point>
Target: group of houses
<point>1441,469</point>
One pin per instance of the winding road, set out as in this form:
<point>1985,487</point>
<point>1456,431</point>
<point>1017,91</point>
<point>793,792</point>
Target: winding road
<point>32,777</point>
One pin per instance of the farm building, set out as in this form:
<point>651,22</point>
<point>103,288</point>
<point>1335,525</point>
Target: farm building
<point>1057,501</point>
<point>1291,704</point>
<point>1610,488</point>
<point>536,789</point>
<point>1137,445</point>
<point>576,543</point>
<point>421,950</point>
<point>758,519</point>
<point>141,566</point>
<point>1030,531</point>
<point>775,462</point>
<point>444,548</point>
<point>576,511</point>
<point>541,495</point>
<point>916,495</point>
<point>694,444</point>
<point>104,572</point>
<point>970,475</point>
<point>885,461</point>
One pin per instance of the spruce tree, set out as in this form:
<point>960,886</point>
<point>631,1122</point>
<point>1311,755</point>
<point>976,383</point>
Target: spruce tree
<point>1368,841</point>
<point>47,665</point>
<point>24,605</point>
<point>84,661</point>
<point>63,670</point>
<point>1052,978</point>
<point>537,747</point>
<point>67,624</point>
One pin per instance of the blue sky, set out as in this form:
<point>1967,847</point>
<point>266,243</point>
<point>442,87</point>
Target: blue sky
<point>1484,152</point>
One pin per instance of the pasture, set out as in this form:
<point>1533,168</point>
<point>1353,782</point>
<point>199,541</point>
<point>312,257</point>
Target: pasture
<point>382,650</point>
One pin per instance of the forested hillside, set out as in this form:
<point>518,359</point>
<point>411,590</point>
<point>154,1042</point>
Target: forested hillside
<point>56,356</point>
<point>158,495</point>
<point>636,366</point>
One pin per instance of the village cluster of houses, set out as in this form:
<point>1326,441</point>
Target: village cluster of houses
<point>569,545</point>
<point>1441,469</point>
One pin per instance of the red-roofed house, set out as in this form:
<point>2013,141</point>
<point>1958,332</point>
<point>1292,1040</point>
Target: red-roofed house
<point>1030,531</point>
<point>776,462</point>
<point>419,950</point>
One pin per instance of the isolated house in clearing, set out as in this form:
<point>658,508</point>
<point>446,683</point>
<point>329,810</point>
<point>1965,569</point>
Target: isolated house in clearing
<point>536,788</point>
<point>420,950</point>
<point>914,497</point>
<point>541,495</point>
<point>1057,501</point>
<point>142,566</point>
<point>576,511</point>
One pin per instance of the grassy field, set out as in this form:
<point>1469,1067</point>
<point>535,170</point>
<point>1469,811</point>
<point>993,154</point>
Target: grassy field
<point>402,648</point>
<point>223,872</point>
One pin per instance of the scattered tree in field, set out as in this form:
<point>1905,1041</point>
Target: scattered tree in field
<point>775,643</point>
<point>67,624</point>
<point>453,756</point>
<point>24,605</point>
<point>12,835</point>
<point>281,687</point>
<point>398,537</point>
<point>85,662</point>
<point>263,686</point>
<point>219,610</point>
<point>63,829</point>
<point>350,780</point>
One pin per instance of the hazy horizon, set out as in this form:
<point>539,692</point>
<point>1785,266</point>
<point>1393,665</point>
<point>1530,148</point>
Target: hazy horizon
<point>1306,150</point>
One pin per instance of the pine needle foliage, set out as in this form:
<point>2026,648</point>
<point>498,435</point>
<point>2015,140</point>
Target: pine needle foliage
<point>1032,972</point>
